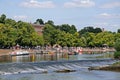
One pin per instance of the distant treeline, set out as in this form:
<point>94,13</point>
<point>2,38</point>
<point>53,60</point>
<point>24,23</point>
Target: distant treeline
<point>24,34</point>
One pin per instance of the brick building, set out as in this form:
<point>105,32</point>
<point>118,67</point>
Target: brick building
<point>38,28</point>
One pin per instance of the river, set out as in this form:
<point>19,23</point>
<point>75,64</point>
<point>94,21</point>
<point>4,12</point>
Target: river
<point>44,67</point>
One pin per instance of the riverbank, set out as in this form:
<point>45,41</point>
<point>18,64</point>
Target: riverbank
<point>5,51</point>
<point>89,50</point>
<point>114,67</point>
<point>97,49</point>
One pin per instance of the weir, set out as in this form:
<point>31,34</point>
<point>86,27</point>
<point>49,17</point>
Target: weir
<point>51,66</point>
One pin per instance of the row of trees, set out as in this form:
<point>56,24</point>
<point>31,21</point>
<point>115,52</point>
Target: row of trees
<point>117,47</point>
<point>70,37</point>
<point>22,33</point>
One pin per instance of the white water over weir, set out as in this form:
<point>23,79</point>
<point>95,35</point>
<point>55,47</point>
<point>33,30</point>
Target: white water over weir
<point>51,66</point>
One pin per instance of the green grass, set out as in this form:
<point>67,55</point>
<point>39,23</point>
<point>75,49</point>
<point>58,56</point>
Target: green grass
<point>117,54</point>
<point>116,64</point>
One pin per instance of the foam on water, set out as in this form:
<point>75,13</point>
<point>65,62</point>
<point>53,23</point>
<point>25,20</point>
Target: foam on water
<point>50,66</point>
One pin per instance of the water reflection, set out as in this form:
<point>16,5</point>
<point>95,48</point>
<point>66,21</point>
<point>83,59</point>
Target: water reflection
<point>39,57</point>
<point>80,74</point>
<point>54,57</point>
<point>5,58</point>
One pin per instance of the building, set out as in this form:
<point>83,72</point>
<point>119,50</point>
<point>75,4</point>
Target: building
<point>38,28</point>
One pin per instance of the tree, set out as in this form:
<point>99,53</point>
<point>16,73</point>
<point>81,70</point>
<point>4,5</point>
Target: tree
<point>67,28</point>
<point>39,21</point>
<point>7,35</point>
<point>89,39</point>
<point>118,31</point>
<point>2,35</point>
<point>10,22</point>
<point>47,34</point>
<point>97,30</point>
<point>117,44</point>
<point>2,18</point>
<point>104,38</point>
<point>116,36</point>
<point>50,22</point>
<point>77,41</point>
<point>22,33</point>
<point>117,47</point>
<point>65,39</point>
<point>73,29</point>
<point>89,29</point>
<point>86,29</point>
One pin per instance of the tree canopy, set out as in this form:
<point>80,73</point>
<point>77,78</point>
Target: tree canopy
<point>90,29</point>
<point>118,31</point>
<point>24,34</point>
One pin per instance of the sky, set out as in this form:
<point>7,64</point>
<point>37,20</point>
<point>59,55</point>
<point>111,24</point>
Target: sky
<point>81,13</point>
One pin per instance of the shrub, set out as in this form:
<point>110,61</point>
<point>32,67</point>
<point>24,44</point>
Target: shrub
<point>117,54</point>
<point>117,45</point>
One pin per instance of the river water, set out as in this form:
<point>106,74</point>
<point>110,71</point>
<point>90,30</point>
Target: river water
<point>45,67</point>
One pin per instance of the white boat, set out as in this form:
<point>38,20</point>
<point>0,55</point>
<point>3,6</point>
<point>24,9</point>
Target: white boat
<point>19,52</point>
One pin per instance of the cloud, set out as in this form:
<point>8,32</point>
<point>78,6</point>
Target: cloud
<point>108,16</point>
<point>105,15</point>
<point>108,26</point>
<point>101,23</point>
<point>37,4</point>
<point>111,5</point>
<point>79,3</point>
<point>20,17</point>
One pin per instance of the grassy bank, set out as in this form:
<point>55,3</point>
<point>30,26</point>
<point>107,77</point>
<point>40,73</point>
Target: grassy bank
<point>113,67</point>
<point>116,64</point>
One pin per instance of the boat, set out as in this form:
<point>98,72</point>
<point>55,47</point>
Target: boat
<point>19,52</point>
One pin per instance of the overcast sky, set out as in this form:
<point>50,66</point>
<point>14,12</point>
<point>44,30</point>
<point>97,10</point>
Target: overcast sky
<point>81,13</point>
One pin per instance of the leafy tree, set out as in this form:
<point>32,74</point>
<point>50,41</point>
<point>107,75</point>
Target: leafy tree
<point>65,39</point>
<point>89,29</point>
<point>104,38</point>
<point>10,22</point>
<point>118,31</point>
<point>86,29</point>
<point>2,35</point>
<point>67,28</point>
<point>117,44</point>
<point>2,18</point>
<point>84,42</point>
<point>62,39</point>
<point>56,36</point>
<point>117,47</point>
<point>8,35</point>
<point>39,21</point>
<point>116,36</point>
<point>117,55</point>
<point>97,30</point>
<point>22,33</point>
<point>47,34</point>
<point>50,22</point>
<point>73,29</point>
<point>76,40</point>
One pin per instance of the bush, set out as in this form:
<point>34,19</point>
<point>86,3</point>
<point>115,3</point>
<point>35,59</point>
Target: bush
<point>117,45</point>
<point>117,54</point>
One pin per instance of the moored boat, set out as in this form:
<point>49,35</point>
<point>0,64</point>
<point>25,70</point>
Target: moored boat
<point>19,52</point>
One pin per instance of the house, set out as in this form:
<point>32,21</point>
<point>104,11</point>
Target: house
<point>38,28</point>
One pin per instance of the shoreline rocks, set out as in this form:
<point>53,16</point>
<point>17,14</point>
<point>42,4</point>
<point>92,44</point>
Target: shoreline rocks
<point>106,68</point>
<point>64,71</point>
